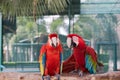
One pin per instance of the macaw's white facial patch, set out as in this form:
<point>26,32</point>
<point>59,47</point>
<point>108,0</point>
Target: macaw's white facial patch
<point>75,40</point>
<point>69,42</point>
<point>49,41</point>
<point>54,41</point>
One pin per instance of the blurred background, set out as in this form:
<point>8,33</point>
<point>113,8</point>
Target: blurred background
<point>26,24</point>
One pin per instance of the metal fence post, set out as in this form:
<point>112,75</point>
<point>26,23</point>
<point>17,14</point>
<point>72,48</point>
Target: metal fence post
<point>98,50</point>
<point>115,57</point>
<point>69,14</point>
<point>0,41</point>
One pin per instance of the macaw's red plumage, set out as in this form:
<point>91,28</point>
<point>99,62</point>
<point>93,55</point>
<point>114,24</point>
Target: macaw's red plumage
<point>78,53</point>
<point>83,57</point>
<point>50,56</point>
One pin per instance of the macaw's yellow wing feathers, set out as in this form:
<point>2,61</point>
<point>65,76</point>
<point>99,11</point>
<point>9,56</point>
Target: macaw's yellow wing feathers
<point>91,59</point>
<point>91,65</point>
<point>42,59</point>
<point>42,63</point>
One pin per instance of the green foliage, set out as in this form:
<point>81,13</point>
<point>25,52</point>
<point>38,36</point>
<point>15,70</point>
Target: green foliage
<point>41,27</point>
<point>101,26</point>
<point>86,24</point>
<point>78,29</point>
<point>55,25</point>
<point>31,7</point>
<point>87,33</point>
<point>108,23</point>
<point>27,29</point>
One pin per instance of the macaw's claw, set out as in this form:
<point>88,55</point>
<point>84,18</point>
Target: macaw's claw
<point>46,77</point>
<point>58,76</point>
<point>42,77</point>
<point>80,73</point>
<point>74,71</point>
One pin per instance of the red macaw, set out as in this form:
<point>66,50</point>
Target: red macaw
<point>83,58</point>
<point>51,57</point>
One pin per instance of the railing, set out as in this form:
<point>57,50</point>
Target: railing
<point>24,56</point>
<point>107,53</point>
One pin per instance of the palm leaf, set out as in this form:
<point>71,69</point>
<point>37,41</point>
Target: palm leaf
<point>31,7</point>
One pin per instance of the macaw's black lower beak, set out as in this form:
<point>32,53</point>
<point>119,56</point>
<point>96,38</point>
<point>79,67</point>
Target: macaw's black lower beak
<point>54,45</point>
<point>73,44</point>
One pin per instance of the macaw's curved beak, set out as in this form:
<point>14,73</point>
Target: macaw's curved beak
<point>69,42</point>
<point>54,41</point>
<point>72,42</point>
<point>75,41</point>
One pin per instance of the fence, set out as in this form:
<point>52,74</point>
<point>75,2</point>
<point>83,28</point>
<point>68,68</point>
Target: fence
<point>107,53</point>
<point>25,56</point>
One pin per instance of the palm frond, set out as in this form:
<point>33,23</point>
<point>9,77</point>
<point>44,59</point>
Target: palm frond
<point>32,7</point>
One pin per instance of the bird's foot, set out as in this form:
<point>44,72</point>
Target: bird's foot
<point>42,77</point>
<point>58,76</point>
<point>74,71</point>
<point>46,77</point>
<point>80,73</point>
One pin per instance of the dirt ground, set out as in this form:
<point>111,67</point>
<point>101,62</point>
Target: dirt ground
<point>36,76</point>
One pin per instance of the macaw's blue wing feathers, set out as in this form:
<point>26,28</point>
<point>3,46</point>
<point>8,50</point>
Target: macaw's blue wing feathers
<point>61,58</point>
<point>44,60</point>
<point>91,65</point>
<point>43,63</point>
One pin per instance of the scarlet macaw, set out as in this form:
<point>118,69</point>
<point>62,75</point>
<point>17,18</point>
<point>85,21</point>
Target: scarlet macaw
<point>51,57</point>
<point>83,58</point>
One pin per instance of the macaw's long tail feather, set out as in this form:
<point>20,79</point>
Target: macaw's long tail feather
<point>42,64</point>
<point>68,65</point>
<point>91,65</point>
<point>100,67</point>
<point>91,60</point>
<point>100,64</point>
